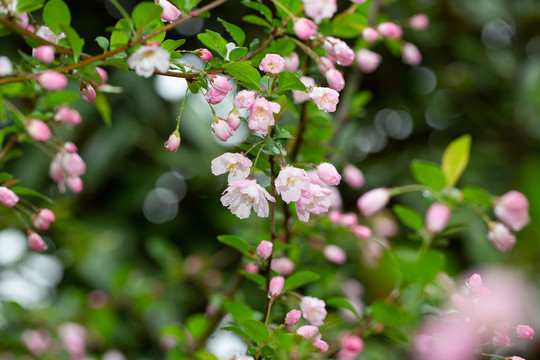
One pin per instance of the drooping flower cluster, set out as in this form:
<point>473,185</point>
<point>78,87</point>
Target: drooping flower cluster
<point>67,169</point>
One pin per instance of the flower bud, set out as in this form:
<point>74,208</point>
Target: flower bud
<point>52,80</point>
<point>304,28</point>
<point>390,30</point>
<point>264,249</point>
<point>170,12</point>
<point>38,130</point>
<point>353,176</point>
<point>75,184</point>
<point>276,286</point>
<point>324,65</point>
<point>252,268</point>
<point>292,318</point>
<point>367,60</point>
<point>45,54</point>
<point>36,341</point>
<point>320,344</point>
<point>525,332</point>
<point>335,254</point>
<point>102,74</point>
<point>67,115</point>
<point>353,343</point>
<point>307,331</point>
<point>500,236</point>
<point>335,79</point>
<point>204,54</point>
<point>328,174</point>
<point>43,219</point>
<point>373,201</point>
<point>283,266</point>
<point>370,34</point>
<point>292,61</point>
<point>174,141</point>
<point>335,217</point>
<point>244,99</point>
<point>7,197</point>
<point>437,218</point>
<point>222,130</point>
<point>410,54</point>
<point>513,209</point>
<point>233,119</point>
<point>36,242</point>
<point>349,220</point>
<point>73,164</point>
<point>88,93</point>
<point>362,232</point>
<point>70,147</point>
<point>272,63</point>
<point>419,22</point>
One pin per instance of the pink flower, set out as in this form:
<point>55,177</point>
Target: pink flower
<point>66,115</point>
<point>220,88</point>
<point>35,242</point>
<point>174,141</point>
<point>36,341</point>
<point>214,96</point>
<point>373,201</point>
<point>513,209</point>
<point>301,96</point>
<point>264,249</point>
<point>335,217</point>
<point>261,115</point>
<point>419,22</point>
<point>328,174</point>
<point>291,182</point>
<point>148,58</point>
<point>320,344</point>
<point>313,310</point>
<point>390,30</point>
<point>292,318</point>
<point>236,164</point>
<point>6,68</point>
<point>292,61</point>
<point>7,197</point>
<point>437,217</point>
<point>315,200</point>
<point>304,28</point>
<point>67,167</point>
<point>244,99</point>
<point>335,79</point>
<point>335,254</point>
<point>233,119</point>
<point>276,286</point>
<point>88,92</point>
<point>45,54</point>
<point>204,54</point>
<point>367,60</point>
<point>252,268</point>
<point>38,130</point>
<point>308,331</point>
<point>324,64</point>
<point>243,195</point>
<point>170,12</point>
<point>370,34</point>
<point>525,332</point>
<point>52,80</point>
<point>43,219</point>
<point>222,130</point>
<point>283,266</point>
<point>500,236</point>
<point>410,54</point>
<point>326,99</point>
<point>353,176</point>
<point>73,336</point>
<point>362,232</point>
<point>272,63</point>
<point>501,335</point>
<point>318,9</point>
<point>339,51</point>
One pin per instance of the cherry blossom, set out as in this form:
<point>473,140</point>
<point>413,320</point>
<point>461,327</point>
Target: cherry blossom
<point>148,58</point>
<point>291,182</point>
<point>236,164</point>
<point>243,195</point>
<point>261,115</point>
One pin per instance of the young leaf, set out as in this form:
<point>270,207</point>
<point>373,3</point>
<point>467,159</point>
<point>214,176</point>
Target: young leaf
<point>56,13</point>
<point>387,314</point>
<point>300,278</point>
<point>60,97</point>
<point>455,159</point>
<point>429,174</point>
<point>197,325</point>
<point>272,146</point>
<point>214,41</point>
<point>144,13</point>
<point>409,217</point>
<point>477,196</point>
<point>103,42</point>
<point>256,278</point>
<point>171,45</point>
<point>19,190</point>
<point>263,9</point>
<point>74,40</point>
<point>119,36</point>
<point>245,73</point>
<point>103,108</point>
<point>239,311</point>
<point>236,32</point>
<point>256,330</point>
<point>290,81</point>
<point>29,5</point>
<point>256,20</point>
<point>237,53</point>
<point>235,242</point>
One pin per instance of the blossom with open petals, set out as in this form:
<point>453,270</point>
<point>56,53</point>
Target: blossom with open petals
<point>326,99</point>
<point>148,58</point>
<point>236,164</point>
<point>261,115</point>
<point>291,182</point>
<point>243,195</point>
<point>315,200</point>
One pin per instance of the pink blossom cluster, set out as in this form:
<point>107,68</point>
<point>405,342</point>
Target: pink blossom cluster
<point>512,209</point>
<point>67,168</point>
<point>219,88</point>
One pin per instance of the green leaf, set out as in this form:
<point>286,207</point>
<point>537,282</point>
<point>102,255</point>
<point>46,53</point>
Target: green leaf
<point>477,196</point>
<point>409,217</point>
<point>387,314</point>
<point>144,13</point>
<point>60,97</point>
<point>239,311</point>
<point>116,62</point>
<point>236,32</point>
<point>171,45</point>
<point>263,9</point>
<point>349,25</point>
<point>256,278</point>
<point>56,13</point>
<point>272,146</point>
<point>19,190</point>
<point>120,35</point>
<point>237,53</point>
<point>429,174</point>
<point>214,41</point>
<point>455,159</point>
<point>103,108</point>
<point>290,81</point>
<point>237,243</point>
<point>75,42</point>
<point>256,20</point>
<point>103,42</point>
<point>238,331</point>
<point>5,176</point>
<point>280,133</point>
<point>300,278</point>
<point>245,73</point>
<point>341,302</point>
<point>175,331</point>
<point>29,5</point>
<point>197,325</point>
<point>256,330</point>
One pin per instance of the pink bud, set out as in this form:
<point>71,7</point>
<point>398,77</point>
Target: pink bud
<point>320,344</point>
<point>525,332</point>
<point>52,80</point>
<point>174,141</point>
<point>67,115</point>
<point>7,197</point>
<point>276,286</point>
<point>353,176</point>
<point>88,93</point>
<point>244,99</point>
<point>204,54</point>
<point>292,61</point>
<point>222,130</point>
<point>362,232</point>
<point>370,34</point>
<point>419,22</point>
<point>45,54</point>
<point>252,268</point>
<point>264,249</point>
<point>335,217</point>
<point>328,174</point>
<point>75,184</point>
<point>292,318</point>
<point>36,242</point>
<point>335,79</point>
<point>73,164</point>
<point>335,254</point>
<point>233,119</point>
<point>304,28</point>
<point>437,217</point>
<point>500,236</point>
<point>36,341</point>
<point>513,209</point>
<point>324,65</point>
<point>70,147</point>
<point>373,201</point>
<point>474,283</point>
<point>43,219</point>
<point>283,266</point>
<point>307,331</point>
<point>170,12</point>
<point>367,60</point>
<point>272,63</point>
<point>410,54</point>
<point>353,343</point>
<point>390,30</point>
<point>349,220</point>
<point>102,74</point>
<point>38,130</point>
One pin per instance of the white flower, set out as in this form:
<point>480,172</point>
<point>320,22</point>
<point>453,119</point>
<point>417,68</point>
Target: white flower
<point>148,58</point>
<point>242,195</point>
<point>313,310</point>
<point>236,164</point>
<point>290,183</point>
